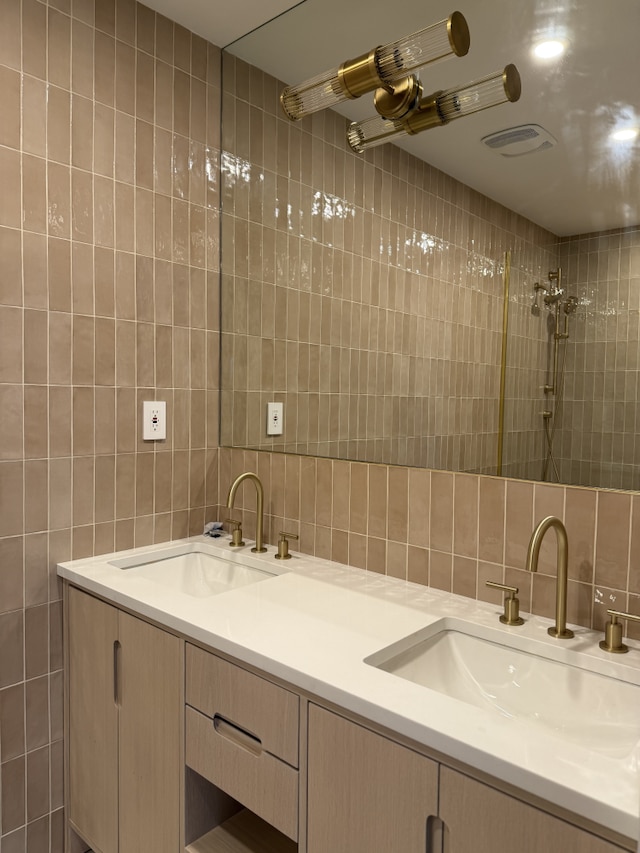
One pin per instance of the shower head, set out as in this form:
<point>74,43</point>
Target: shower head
<point>552,298</point>
<point>570,305</point>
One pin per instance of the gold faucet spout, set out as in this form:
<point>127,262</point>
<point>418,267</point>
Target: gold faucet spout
<point>259,548</point>
<point>560,629</point>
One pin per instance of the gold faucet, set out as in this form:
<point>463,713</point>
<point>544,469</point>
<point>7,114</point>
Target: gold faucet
<point>259,548</point>
<point>560,629</point>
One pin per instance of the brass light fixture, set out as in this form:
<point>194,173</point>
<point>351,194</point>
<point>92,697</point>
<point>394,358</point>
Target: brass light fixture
<point>379,68</point>
<point>438,109</point>
<point>388,71</point>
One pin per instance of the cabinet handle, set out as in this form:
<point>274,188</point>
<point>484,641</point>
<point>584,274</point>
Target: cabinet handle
<point>116,672</point>
<point>435,834</point>
<point>239,736</point>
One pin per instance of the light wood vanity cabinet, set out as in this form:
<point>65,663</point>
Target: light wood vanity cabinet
<point>267,771</point>
<point>479,819</point>
<point>124,706</point>
<point>367,793</point>
<point>242,735</point>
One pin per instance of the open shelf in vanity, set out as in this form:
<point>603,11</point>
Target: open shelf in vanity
<point>245,832</point>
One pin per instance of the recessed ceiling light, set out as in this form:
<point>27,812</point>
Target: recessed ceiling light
<point>549,49</point>
<point>625,135</point>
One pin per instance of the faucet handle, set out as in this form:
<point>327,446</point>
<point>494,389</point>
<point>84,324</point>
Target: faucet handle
<point>236,533</point>
<point>511,615</point>
<point>613,632</point>
<point>283,545</point>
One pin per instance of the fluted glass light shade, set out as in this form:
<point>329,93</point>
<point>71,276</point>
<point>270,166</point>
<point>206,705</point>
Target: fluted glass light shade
<point>439,108</point>
<point>438,41</point>
<point>379,67</point>
<point>373,131</point>
<point>480,95</point>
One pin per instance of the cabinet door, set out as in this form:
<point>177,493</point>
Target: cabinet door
<point>93,721</point>
<point>365,793</point>
<point>479,819</point>
<point>149,753</point>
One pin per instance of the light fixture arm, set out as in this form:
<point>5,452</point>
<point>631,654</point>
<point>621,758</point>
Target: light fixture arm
<point>398,99</point>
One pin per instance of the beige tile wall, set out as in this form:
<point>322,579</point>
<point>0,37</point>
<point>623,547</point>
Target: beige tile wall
<point>364,292</point>
<point>598,442</point>
<point>449,531</point>
<point>109,137</point>
<point>109,294</point>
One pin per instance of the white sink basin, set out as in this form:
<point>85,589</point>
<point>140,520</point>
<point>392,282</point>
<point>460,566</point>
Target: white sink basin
<point>597,711</point>
<point>192,570</point>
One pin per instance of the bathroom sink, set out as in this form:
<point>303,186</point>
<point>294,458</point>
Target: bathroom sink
<point>593,710</point>
<point>192,570</point>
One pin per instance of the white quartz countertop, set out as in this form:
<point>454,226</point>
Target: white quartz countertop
<point>315,623</point>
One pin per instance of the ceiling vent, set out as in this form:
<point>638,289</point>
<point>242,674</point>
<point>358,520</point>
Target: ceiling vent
<point>517,141</point>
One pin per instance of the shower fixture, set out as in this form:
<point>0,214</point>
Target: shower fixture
<point>389,72</point>
<point>535,308</point>
<point>555,299</point>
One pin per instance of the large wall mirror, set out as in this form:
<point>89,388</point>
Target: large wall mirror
<point>449,301</point>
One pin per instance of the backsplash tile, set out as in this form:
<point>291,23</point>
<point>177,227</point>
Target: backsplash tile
<point>463,529</point>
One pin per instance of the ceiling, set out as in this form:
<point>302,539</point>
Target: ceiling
<point>223,22</point>
<point>584,183</point>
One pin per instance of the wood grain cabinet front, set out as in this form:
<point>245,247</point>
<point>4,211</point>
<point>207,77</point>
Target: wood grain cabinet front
<point>365,792</point>
<point>124,706</point>
<point>478,818</point>
<point>242,735</point>
<point>368,793</point>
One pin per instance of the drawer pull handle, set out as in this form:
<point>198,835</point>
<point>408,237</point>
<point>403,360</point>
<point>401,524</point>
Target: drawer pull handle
<point>116,672</point>
<point>239,736</point>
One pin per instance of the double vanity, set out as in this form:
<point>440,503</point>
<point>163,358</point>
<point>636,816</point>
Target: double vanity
<point>220,700</point>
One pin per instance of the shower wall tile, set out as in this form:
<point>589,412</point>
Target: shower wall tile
<point>597,442</point>
<point>97,312</point>
<point>363,292</point>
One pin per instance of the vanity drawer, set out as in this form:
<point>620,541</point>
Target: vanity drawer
<point>268,712</point>
<point>238,765</point>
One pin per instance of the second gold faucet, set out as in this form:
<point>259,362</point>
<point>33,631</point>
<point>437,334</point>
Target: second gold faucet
<point>560,629</point>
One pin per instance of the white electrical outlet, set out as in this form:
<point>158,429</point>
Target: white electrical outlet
<point>275,417</point>
<point>154,420</point>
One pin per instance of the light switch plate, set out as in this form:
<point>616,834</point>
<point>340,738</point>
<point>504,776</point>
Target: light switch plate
<point>154,420</point>
<point>275,417</point>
